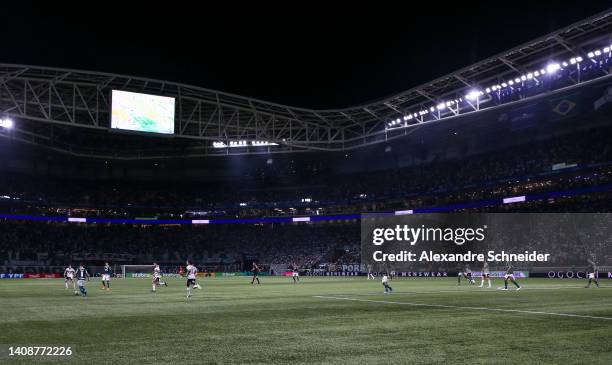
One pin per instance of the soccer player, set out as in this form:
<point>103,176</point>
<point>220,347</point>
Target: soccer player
<point>385,283</point>
<point>466,273</point>
<point>157,277</point>
<point>370,275</point>
<point>592,273</point>
<point>106,275</point>
<point>510,276</point>
<point>295,274</point>
<point>460,274</point>
<point>81,275</point>
<point>69,277</point>
<point>255,270</point>
<point>192,272</point>
<point>485,274</point>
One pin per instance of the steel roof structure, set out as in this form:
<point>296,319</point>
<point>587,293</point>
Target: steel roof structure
<point>47,102</point>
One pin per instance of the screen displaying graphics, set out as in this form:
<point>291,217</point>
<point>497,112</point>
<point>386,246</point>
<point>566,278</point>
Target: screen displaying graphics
<point>142,112</point>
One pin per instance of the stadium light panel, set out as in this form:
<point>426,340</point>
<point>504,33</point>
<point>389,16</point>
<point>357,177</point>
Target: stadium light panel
<point>6,123</point>
<point>472,95</point>
<point>552,67</point>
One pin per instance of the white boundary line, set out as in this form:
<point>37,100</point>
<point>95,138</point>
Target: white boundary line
<point>462,307</point>
<point>476,290</point>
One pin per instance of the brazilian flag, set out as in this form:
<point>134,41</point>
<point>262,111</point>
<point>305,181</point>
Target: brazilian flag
<point>564,107</point>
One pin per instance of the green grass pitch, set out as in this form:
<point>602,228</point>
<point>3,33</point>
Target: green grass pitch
<point>321,320</point>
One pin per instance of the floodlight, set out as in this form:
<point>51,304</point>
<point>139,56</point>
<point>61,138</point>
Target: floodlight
<point>6,123</point>
<point>552,67</point>
<point>472,95</point>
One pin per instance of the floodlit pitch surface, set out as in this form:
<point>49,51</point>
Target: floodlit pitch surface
<point>321,320</point>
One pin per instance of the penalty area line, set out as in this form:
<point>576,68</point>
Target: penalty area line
<point>445,306</point>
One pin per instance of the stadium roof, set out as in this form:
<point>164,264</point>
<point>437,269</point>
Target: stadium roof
<point>47,103</point>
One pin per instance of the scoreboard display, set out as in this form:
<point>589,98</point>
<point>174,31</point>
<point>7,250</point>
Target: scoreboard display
<point>142,112</point>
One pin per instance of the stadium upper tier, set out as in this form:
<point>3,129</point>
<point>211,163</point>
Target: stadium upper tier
<point>46,103</point>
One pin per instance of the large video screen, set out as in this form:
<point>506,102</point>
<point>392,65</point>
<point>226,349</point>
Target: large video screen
<point>142,112</point>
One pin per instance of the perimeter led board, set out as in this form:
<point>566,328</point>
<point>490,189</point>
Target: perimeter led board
<point>142,112</point>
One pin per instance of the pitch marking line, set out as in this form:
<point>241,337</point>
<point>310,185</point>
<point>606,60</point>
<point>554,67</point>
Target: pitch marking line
<point>474,290</point>
<point>462,307</point>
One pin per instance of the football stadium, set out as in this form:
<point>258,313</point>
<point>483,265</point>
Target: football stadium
<point>464,220</point>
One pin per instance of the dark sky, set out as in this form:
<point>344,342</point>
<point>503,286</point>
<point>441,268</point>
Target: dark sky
<point>311,57</point>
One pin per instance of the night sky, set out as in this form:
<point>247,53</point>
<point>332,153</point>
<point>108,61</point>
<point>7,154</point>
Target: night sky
<point>310,57</point>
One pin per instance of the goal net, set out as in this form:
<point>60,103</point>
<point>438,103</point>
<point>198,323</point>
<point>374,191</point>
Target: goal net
<point>137,271</point>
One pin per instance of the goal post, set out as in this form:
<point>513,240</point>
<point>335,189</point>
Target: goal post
<point>136,271</point>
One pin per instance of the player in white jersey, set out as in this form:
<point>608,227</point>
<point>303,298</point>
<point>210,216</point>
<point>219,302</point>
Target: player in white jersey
<point>69,277</point>
<point>592,273</point>
<point>385,283</point>
<point>295,274</point>
<point>157,277</point>
<point>370,275</point>
<point>485,274</point>
<point>192,272</point>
